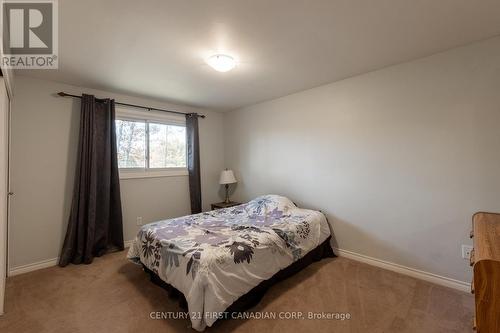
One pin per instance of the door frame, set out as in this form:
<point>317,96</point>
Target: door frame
<point>8,82</point>
<point>4,191</point>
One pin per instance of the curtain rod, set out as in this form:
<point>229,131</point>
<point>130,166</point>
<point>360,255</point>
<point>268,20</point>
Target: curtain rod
<point>63,94</point>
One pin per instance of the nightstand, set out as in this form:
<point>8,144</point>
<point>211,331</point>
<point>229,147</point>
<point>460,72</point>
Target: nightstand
<point>220,205</point>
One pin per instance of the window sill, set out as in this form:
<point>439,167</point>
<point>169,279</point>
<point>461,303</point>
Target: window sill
<point>126,174</point>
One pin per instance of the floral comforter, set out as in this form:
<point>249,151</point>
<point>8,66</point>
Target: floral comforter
<point>215,257</point>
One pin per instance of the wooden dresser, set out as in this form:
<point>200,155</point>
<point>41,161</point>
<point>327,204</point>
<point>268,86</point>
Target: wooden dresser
<point>485,257</point>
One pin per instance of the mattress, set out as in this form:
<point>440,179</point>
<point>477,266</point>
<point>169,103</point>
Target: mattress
<point>215,257</point>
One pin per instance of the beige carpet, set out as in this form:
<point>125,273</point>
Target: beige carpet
<point>113,295</point>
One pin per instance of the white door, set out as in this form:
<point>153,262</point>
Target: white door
<point>4,159</point>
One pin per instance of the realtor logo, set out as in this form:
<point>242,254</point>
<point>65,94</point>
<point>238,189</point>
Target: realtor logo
<point>29,33</point>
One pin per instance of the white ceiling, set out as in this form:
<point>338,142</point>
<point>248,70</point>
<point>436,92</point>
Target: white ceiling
<point>156,48</point>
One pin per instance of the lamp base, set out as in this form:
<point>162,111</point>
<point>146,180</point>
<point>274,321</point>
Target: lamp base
<point>227,194</point>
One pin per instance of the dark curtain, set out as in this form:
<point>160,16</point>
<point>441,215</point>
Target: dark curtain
<point>95,222</point>
<point>193,161</point>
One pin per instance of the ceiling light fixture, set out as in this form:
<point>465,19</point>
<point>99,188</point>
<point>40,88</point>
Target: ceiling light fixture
<point>221,62</point>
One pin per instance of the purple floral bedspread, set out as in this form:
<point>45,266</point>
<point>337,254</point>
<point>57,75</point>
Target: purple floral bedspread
<point>230,250</point>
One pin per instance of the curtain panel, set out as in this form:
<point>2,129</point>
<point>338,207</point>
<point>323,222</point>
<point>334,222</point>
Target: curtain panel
<point>193,161</point>
<point>95,222</point>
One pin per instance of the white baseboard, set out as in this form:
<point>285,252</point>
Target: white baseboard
<point>44,264</point>
<point>33,267</point>
<point>418,274</point>
<point>422,275</point>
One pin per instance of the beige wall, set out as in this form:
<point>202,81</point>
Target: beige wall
<point>43,156</point>
<point>399,159</point>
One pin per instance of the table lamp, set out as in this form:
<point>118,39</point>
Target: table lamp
<point>226,178</point>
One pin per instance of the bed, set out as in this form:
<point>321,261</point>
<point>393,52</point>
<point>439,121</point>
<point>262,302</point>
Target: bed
<point>216,258</point>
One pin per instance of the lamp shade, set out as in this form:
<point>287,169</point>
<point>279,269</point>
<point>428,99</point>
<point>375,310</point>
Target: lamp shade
<point>227,177</point>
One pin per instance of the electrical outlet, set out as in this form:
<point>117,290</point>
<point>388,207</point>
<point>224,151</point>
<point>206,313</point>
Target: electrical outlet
<point>139,220</point>
<point>466,250</point>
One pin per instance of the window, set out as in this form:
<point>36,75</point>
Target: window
<point>153,146</point>
<point>167,146</point>
<point>131,142</point>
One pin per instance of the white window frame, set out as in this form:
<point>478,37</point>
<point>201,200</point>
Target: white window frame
<point>157,117</point>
